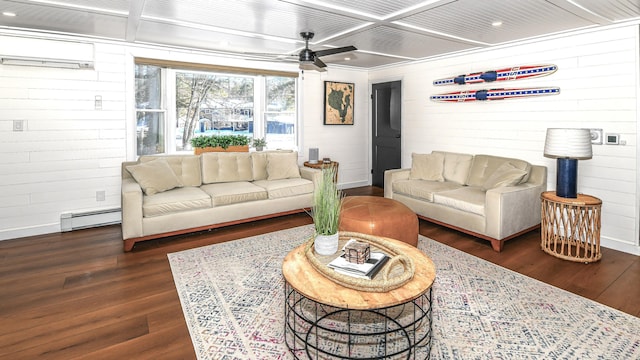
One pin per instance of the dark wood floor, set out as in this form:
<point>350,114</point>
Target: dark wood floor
<point>76,295</point>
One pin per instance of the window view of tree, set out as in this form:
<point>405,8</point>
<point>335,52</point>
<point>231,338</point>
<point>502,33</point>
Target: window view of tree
<point>280,113</point>
<point>212,103</point>
<point>150,127</point>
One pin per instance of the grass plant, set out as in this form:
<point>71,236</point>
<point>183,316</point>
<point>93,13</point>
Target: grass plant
<point>327,201</point>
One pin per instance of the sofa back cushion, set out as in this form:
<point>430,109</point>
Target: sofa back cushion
<point>259,161</point>
<point>218,167</point>
<point>185,167</point>
<point>259,165</point>
<point>483,166</point>
<point>427,167</point>
<point>456,166</point>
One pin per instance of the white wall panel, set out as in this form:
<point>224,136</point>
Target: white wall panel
<point>598,79</point>
<point>58,162</point>
<point>347,144</point>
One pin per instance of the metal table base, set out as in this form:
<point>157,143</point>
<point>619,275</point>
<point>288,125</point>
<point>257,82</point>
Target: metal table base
<point>317,331</point>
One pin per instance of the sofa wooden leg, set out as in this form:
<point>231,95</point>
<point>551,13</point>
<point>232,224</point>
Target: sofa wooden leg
<point>497,245</point>
<point>128,244</point>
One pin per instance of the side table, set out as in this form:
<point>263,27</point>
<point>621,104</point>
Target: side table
<point>570,227</point>
<point>322,165</point>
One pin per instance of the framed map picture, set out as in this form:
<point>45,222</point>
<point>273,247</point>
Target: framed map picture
<point>338,103</point>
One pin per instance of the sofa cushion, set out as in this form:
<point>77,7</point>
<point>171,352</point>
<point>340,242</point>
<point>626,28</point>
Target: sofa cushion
<point>423,189</point>
<point>228,193</point>
<point>505,175</point>
<point>259,161</point>
<point>176,200</point>
<point>427,167</point>
<point>456,166</point>
<point>154,176</point>
<point>286,187</point>
<point>467,198</point>
<point>282,166</point>
<point>259,165</point>
<point>186,167</point>
<point>220,167</point>
<point>483,166</point>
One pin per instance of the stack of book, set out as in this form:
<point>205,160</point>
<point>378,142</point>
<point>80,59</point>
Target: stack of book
<point>367,270</point>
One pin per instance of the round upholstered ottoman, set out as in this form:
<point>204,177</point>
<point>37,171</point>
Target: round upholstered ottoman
<point>379,216</point>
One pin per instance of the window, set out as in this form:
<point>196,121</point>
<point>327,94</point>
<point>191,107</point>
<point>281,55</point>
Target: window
<point>150,125</point>
<point>280,112</point>
<point>208,103</point>
<point>212,102</point>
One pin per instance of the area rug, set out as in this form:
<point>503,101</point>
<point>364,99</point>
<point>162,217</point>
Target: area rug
<point>232,295</point>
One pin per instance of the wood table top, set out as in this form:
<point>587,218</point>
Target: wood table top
<point>581,199</point>
<point>307,281</point>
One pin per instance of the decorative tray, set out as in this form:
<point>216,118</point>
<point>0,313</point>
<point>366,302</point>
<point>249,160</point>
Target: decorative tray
<point>396,272</point>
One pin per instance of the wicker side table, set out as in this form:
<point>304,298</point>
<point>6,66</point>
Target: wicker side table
<point>570,228</point>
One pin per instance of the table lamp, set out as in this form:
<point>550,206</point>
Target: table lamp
<point>567,146</point>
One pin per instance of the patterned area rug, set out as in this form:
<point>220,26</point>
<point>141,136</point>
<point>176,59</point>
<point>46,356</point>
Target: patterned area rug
<point>232,295</point>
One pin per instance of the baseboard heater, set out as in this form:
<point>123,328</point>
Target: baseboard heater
<point>89,219</point>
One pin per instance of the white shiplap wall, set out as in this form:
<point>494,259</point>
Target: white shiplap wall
<point>346,144</point>
<point>598,78</point>
<point>68,149</point>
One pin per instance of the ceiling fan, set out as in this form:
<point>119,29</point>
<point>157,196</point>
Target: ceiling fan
<point>307,58</point>
<point>310,60</point>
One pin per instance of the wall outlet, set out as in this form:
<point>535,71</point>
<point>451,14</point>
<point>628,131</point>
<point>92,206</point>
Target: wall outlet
<point>100,195</point>
<point>98,102</point>
<point>18,125</point>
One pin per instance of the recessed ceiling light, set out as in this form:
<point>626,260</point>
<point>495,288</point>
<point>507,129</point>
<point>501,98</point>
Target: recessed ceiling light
<point>347,58</point>
<point>496,23</point>
<point>8,13</point>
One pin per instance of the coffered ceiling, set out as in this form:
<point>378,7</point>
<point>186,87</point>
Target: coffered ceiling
<point>383,31</point>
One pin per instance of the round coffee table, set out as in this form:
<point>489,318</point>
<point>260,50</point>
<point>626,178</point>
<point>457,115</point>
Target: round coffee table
<point>326,320</point>
<point>379,216</point>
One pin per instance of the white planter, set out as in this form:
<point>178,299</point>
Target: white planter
<point>326,244</point>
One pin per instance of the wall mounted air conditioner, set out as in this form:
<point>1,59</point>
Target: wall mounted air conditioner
<point>26,51</point>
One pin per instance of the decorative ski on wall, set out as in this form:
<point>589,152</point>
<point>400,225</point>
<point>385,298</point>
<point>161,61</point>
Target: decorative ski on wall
<point>514,73</point>
<point>494,94</point>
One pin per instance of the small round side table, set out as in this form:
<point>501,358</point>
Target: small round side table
<point>322,165</point>
<point>570,227</point>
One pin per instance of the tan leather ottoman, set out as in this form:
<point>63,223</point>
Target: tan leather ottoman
<point>379,216</point>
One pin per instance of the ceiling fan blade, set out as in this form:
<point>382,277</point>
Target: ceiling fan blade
<point>319,63</point>
<point>335,51</point>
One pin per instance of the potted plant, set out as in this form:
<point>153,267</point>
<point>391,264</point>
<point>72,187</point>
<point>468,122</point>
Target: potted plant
<point>238,143</point>
<point>325,212</point>
<point>259,144</point>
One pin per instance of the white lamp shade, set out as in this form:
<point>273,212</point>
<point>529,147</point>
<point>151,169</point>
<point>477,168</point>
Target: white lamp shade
<point>568,143</point>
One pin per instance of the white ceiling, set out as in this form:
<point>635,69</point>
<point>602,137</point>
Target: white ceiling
<point>384,31</point>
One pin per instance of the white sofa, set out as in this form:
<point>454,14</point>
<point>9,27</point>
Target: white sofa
<point>173,194</point>
<point>493,198</point>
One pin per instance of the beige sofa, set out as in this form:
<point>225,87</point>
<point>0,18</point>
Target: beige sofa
<point>490,197</point>
<point>174,194</point>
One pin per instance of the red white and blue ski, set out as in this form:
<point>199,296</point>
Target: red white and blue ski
<point>494,94</point>
<point>514,73</point>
